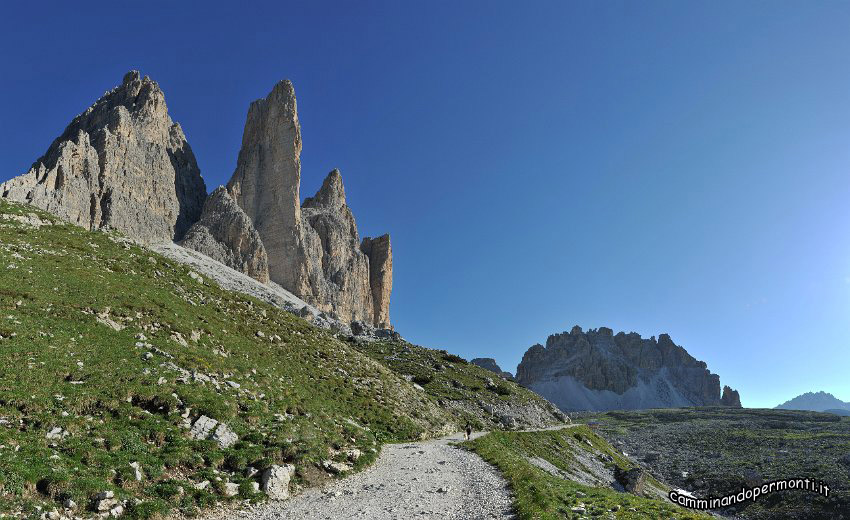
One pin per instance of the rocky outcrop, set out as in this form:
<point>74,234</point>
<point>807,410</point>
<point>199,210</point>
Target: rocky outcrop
<point>730,397</point>
<point>124,164</point>
<point>491,365</point>
<point>314,249</point>
<point>121,164</point>
<point>380,253</point>
<point>338,270</point>
<point>598,370</point>
<point>225,234</point>
<point>267,181</point>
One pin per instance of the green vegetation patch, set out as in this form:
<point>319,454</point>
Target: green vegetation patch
<point>540,495</point>
<point>108,352</point>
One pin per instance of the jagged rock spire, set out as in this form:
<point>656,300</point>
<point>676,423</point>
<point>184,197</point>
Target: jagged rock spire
<point>313,248</point>
<point>225,233</point>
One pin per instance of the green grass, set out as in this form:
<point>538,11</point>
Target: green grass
<point>301,392</point>
<point>710,449</point>
<point>458,385</point>
<point>540,495</point>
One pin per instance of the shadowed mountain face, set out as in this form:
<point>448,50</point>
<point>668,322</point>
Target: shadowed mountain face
<point>816,402</point>
<point>598,370</point>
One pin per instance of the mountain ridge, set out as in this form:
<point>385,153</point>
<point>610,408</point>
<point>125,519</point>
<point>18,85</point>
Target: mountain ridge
<point>598,370</point>
<point>814,401</point>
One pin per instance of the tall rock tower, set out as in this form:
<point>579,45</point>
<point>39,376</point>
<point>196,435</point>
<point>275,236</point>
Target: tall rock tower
<point>313,251</point>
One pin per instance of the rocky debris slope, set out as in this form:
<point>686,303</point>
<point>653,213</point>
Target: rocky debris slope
<point>226,234</point>
<point>121,164</point>
<point>314,250</point>
<point>597,370</point>
<point>491,365</point>
<point>430,479</point>
<point>232,280</point>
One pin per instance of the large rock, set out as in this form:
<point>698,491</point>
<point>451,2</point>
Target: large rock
<point>275,481</point>
<point>380,253</point>
<point>121,164</point>
<point>267,181</point>
<point>597,370</point>
<point>226,234</point>
<point>339,271</point>
<point>730,398</point>
<point>313,251</point>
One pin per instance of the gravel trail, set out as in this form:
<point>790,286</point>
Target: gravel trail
<point>428,479</point>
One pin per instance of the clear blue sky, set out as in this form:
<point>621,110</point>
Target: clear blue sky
<point>679,167</point>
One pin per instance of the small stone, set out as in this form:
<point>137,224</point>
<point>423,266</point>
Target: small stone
<point>137,471</point>
<point>105,504</point>
<point>231,489</point>
<point>336,468</point>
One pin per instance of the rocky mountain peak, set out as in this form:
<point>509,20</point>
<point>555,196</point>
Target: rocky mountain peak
<point>491,365</point>
<point>816,402</point>
<point>121,164</point>
<point>730,397</point>
<point>313,248</point>
<point>331,194</point>
<point>124,164</point>
<point>226,234</point>
<point>600,370</point>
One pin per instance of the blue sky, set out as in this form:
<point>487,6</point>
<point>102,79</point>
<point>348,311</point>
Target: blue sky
<point>679,167</point>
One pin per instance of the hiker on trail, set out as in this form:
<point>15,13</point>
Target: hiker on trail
<point>468,431</point>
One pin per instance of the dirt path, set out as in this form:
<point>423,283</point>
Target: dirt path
<point>429,479</point>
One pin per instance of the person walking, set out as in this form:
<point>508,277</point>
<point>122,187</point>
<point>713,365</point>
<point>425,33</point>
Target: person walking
<point>468,432</point>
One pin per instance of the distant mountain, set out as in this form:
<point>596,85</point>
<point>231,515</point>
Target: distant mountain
<point>815,402</point>
<point>600,370</point>
<point>491,365</point>
<point>845,413</point>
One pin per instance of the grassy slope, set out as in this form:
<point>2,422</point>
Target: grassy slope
<point>458,385</point>
<point>300,389</point>
<point>540,495</point>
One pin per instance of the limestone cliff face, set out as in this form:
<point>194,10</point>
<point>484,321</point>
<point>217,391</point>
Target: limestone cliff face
<point>314,250</point>
<point>597,370</point>
<point>124,164</point>
<point>225,233</point>
<point>339,271</point>
<point>121,164</point>
<point>730,398</point>
<point>267,181</point>
<point>380,253</point>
